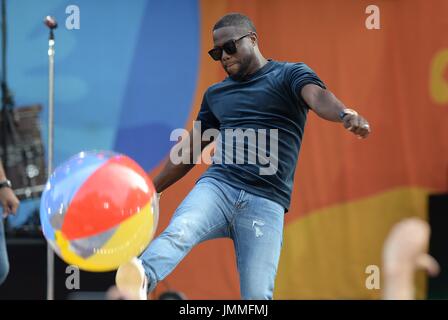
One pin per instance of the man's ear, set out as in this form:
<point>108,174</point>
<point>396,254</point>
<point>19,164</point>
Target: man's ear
<point>254,38</point>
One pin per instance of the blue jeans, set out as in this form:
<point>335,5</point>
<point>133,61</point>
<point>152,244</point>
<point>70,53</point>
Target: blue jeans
<point>4,264</point>
<point>214,209</point>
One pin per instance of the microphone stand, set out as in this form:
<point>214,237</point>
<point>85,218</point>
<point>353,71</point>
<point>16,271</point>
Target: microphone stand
<point>50,253</point>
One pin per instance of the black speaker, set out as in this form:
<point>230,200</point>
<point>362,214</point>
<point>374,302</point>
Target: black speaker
<point>438,244</point>
<point>27,277</point>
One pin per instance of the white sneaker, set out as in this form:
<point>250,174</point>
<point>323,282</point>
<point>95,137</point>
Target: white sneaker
<point>131,280</point>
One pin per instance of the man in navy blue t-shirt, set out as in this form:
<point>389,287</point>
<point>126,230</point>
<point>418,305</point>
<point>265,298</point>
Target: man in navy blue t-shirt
<point>256,117</point>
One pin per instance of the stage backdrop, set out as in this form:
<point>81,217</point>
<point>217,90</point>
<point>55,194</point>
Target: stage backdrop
<point>136,70</point>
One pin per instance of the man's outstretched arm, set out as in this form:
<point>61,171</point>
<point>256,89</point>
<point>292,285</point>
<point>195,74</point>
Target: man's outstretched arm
<point>328,107</point>
<point>172,172</point>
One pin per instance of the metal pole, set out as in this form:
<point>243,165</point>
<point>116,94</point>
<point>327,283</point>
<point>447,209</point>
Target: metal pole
<point>50,253</point>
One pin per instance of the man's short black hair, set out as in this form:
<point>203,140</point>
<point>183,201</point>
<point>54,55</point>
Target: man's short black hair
<point>235,20</point>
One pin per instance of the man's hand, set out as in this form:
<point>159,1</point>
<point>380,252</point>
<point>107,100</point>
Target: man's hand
<point>325,104</point>
<point>405,251</point>
<point>9,201</point>
<point>356,124</point>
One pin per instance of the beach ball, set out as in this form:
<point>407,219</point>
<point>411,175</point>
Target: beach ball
<point>98,210</point>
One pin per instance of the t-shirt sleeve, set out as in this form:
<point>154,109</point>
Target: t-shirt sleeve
<point>297,76</point>
<point>206,116</point>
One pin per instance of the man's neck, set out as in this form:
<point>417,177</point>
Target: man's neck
<point>259,62</point>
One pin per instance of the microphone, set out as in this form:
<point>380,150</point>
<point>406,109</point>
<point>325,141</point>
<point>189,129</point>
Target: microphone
<point>50,22</point>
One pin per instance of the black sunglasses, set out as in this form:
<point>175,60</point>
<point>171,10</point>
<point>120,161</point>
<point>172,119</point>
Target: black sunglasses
<point>229,47</point>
